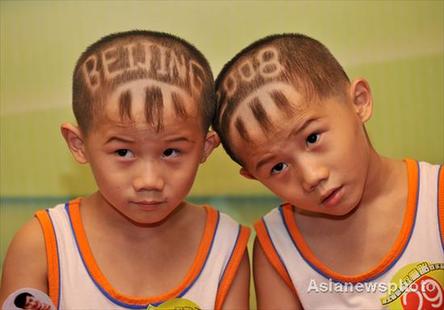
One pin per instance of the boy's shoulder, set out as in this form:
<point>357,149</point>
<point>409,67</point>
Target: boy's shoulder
<point>25,261</point>
<point>28,245</point>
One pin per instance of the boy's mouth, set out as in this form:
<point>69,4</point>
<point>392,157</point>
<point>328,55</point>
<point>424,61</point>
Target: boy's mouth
<point>332,197</point>
<point>148,204</point>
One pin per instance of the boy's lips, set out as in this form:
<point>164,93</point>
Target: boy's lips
<point>148,204</point>
<point>332,197</point>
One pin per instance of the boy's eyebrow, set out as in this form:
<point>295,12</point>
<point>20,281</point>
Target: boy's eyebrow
<point>297,129</point>
<point>119,139</point>
<point>263,161</point>
<point>179,139</point>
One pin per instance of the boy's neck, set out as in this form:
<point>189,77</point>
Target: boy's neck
<point>383,174</point>
<point>96,207</point>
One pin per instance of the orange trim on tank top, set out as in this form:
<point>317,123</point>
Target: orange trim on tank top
<point>232,267</point>
<point>51,255</point>
<point>441,202</point>
<point>270,252</point>
<point>392,255</point>
<point>100,279</point>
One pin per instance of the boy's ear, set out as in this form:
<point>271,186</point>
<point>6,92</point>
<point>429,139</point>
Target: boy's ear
<point>212,141</point>
<point>244,172</point>
<point>362,99</point>
<point>74,140</point>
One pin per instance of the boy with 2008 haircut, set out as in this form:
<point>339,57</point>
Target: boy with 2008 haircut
<point>359,230</point>
<point>143,102</point>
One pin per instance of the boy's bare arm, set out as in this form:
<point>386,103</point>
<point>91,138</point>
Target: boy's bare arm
<point>271,291</point>
<point>238,295</point>
<point>25,262</point>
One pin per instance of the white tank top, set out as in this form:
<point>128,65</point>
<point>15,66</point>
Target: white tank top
<point>416,260</point>
<point>76,282</point>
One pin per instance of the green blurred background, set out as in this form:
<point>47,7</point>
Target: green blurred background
<point>397,45</point>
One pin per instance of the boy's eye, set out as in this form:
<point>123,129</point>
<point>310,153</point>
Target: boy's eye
<point>313,138</point>
<point>170,153</point>
<point>124,153</point>
<point>278,168</point>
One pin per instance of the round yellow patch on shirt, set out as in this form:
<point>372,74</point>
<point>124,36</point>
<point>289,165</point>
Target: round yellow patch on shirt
<point>416,286</point>
<point>176,304</point>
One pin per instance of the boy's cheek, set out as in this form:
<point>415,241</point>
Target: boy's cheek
<point>284,191</point>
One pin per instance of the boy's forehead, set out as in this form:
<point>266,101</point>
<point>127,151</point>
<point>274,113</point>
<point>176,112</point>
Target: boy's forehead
<point>141,59</point>
<point>149,100</point>
<point>254,89</point>
<point>267,110</point>
<point>139,90</point>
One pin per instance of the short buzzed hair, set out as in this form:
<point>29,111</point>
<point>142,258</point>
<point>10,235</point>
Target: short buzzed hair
<point>295,59</point>
<point>126,56</point>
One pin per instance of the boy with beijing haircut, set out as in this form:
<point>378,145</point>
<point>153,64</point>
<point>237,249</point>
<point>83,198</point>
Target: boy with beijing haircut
<point>143,102</point>
<point>357,229</point>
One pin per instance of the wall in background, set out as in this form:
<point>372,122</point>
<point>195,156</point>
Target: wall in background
<point>397,45</point>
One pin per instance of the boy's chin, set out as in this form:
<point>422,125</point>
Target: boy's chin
<point>147,221</point>
<point>322,211</point>
<point>340,211</point>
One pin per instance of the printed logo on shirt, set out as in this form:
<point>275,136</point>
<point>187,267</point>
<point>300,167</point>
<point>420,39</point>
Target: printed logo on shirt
<point>176,304</point>
<point>28,298</point>
<point>416,286</point>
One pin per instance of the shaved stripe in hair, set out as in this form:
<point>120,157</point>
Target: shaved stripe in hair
<point>125,105</point>
<point>260,114</point>
<point>121,58</point>
<point>178,104</point>
<point>281,102</point>
<point>154,106</point>
<point>240,126</point>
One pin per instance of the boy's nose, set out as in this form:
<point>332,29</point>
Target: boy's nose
<point>148,178</point>
<point>313,175</point>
